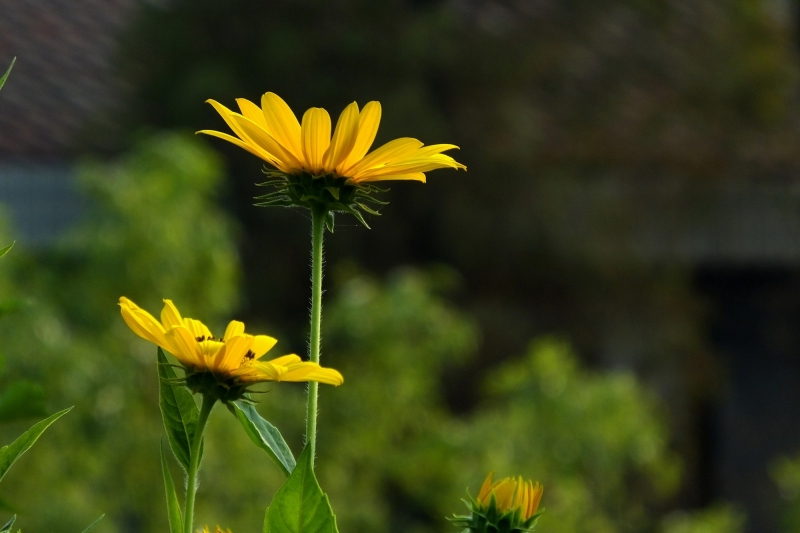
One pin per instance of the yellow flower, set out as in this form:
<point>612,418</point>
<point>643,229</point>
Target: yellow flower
<point>511,495</point>
<point>273,133</point>
<point>235,357</point>
<point>216,530</point>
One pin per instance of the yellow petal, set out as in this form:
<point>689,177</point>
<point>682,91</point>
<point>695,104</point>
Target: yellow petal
<point>407,166</point>
<point>170,315</point>
<point>434,149</point>
<point>285,360</point>
<point>142,323</point>
<point>307,371</point>
<point>286,161</point>
<point>234,328</point>
<point>232,356</point>
<point>538,490</point>
<point>282,124</point>
<point>255,150</point>
<point>262,344</point>
<point>316,137</point>
<point>504,493</point>
<point>486,489</point>
<point>415,176</point>
<point>386,154</point>
<point>368,121</point>
<point>184,346</point>
<point>252,111</point>
<point>197,329</point>
<point>344,138</point>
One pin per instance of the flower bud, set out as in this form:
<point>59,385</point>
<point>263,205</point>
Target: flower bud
<point>506,506</point>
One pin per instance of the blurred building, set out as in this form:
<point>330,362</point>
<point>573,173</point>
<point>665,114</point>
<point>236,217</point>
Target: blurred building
<point>61,86</point>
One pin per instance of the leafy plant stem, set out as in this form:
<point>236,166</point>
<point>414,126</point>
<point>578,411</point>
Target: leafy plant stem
<point>317,234</point>
<point>194,465</point>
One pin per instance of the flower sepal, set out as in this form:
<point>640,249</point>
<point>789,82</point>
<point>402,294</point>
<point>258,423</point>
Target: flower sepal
<point>225,390</point>
<point>490,519</point>
<point>327,193</point>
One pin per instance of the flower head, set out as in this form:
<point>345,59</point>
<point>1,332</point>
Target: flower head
<point>510,504</point>
<point>316,167</point>
<point>273,133</point>
<point>226,365</point>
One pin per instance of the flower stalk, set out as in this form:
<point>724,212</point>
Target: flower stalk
<point>194,465</point>
<point>317,235</point>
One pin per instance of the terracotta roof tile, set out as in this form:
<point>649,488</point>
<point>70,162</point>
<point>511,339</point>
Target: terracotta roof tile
<point>63,77</point>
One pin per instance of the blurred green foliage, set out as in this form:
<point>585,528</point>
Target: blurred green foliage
<point>393,455</point>
<point>785,472</point>
<point>717,519</point>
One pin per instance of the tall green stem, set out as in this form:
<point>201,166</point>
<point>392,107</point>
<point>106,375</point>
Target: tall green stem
<point>194,461</point>
<point>317,234</point>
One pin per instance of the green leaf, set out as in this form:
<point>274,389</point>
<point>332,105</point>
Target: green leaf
<point>8,525</point>
<point>265,436</point>
<point>300,506</point>
<point>179,412</point>
<point>10,453</point>
<point>4,251</point>
<point>20,400</point>
<point>91,526</point>
<point>173,506</point>
<point>5,76</point>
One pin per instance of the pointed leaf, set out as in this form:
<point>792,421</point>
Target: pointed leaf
<point>91,526</point>
<point>173,506</point>
<point>4,251</point>
<point>179,412</point>
<point>10,453</point>
<point>8,525</point>
<point>300,506</point>
<point>5,76</point>
<point>265,436</point>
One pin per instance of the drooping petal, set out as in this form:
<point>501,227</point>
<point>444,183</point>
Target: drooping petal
<point>170,316</point>
<point>316,137</point>
<point>234,328</point>
<point>282,123</point>
<point>368,121</point>
<point>344,138</point>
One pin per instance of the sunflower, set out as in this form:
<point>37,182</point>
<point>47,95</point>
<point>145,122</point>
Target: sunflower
<point>323,171</point>
<point>510,504</point>
<point>273,133</point>
<point>233,361</point>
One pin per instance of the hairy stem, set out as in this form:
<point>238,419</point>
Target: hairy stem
<point>194,462</point>
<point>317,234</point>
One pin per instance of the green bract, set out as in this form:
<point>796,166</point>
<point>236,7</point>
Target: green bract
<point>489,519</point>
<point>326,194</point>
